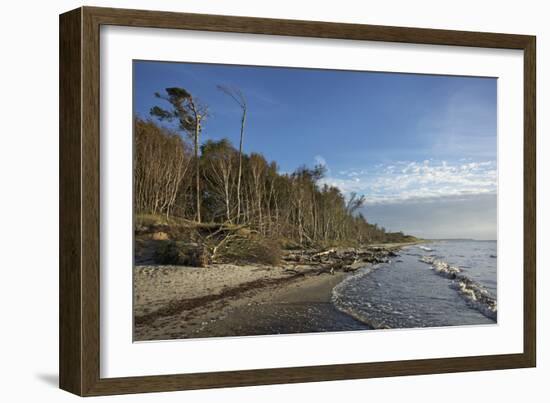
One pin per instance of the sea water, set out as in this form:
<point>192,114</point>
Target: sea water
<point>440,283</point>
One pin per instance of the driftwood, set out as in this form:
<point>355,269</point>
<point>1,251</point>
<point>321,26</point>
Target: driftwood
<point>215,249</point>
<point>334,260</point>
<point>323,253</point>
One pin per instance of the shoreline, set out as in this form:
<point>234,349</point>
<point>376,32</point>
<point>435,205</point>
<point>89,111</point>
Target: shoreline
<point>180,302</point>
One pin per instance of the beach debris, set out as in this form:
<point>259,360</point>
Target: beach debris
<point>323,253</point>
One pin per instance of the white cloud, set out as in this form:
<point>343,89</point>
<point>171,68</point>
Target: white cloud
<point>426,180</point>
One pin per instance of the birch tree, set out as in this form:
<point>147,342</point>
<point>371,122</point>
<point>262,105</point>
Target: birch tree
<point>239,98</point>
<point>218,164</point>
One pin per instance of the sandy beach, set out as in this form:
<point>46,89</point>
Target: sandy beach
<point>174,302</point>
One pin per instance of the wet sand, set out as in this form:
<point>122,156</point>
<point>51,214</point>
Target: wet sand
<point>302,307</point>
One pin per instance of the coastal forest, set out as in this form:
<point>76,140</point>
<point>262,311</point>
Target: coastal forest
<point>229,204</point>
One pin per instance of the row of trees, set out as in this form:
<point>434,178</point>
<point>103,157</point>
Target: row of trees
<point>215,182</point>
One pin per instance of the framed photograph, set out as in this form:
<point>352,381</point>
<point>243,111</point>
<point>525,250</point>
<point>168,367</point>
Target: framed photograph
<point>249,201</point>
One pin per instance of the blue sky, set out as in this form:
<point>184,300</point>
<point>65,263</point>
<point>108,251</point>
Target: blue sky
<point>413,144</point>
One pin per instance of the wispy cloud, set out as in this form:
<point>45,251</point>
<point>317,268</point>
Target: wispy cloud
<point>426,180</point>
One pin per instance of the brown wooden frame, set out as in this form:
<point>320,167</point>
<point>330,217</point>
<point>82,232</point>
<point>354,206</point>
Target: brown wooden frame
<point>79,201</point>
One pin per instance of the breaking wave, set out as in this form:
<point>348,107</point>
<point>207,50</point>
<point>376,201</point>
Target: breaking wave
<point>477,296</point>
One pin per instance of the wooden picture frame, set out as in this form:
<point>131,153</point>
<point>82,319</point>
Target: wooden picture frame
<point>79,348</point>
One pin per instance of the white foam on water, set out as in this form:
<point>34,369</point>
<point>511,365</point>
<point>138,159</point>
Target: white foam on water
<point>477,296</point>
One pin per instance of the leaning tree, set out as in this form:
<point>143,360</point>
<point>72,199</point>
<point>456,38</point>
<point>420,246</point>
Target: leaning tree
<point>190,115</point>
